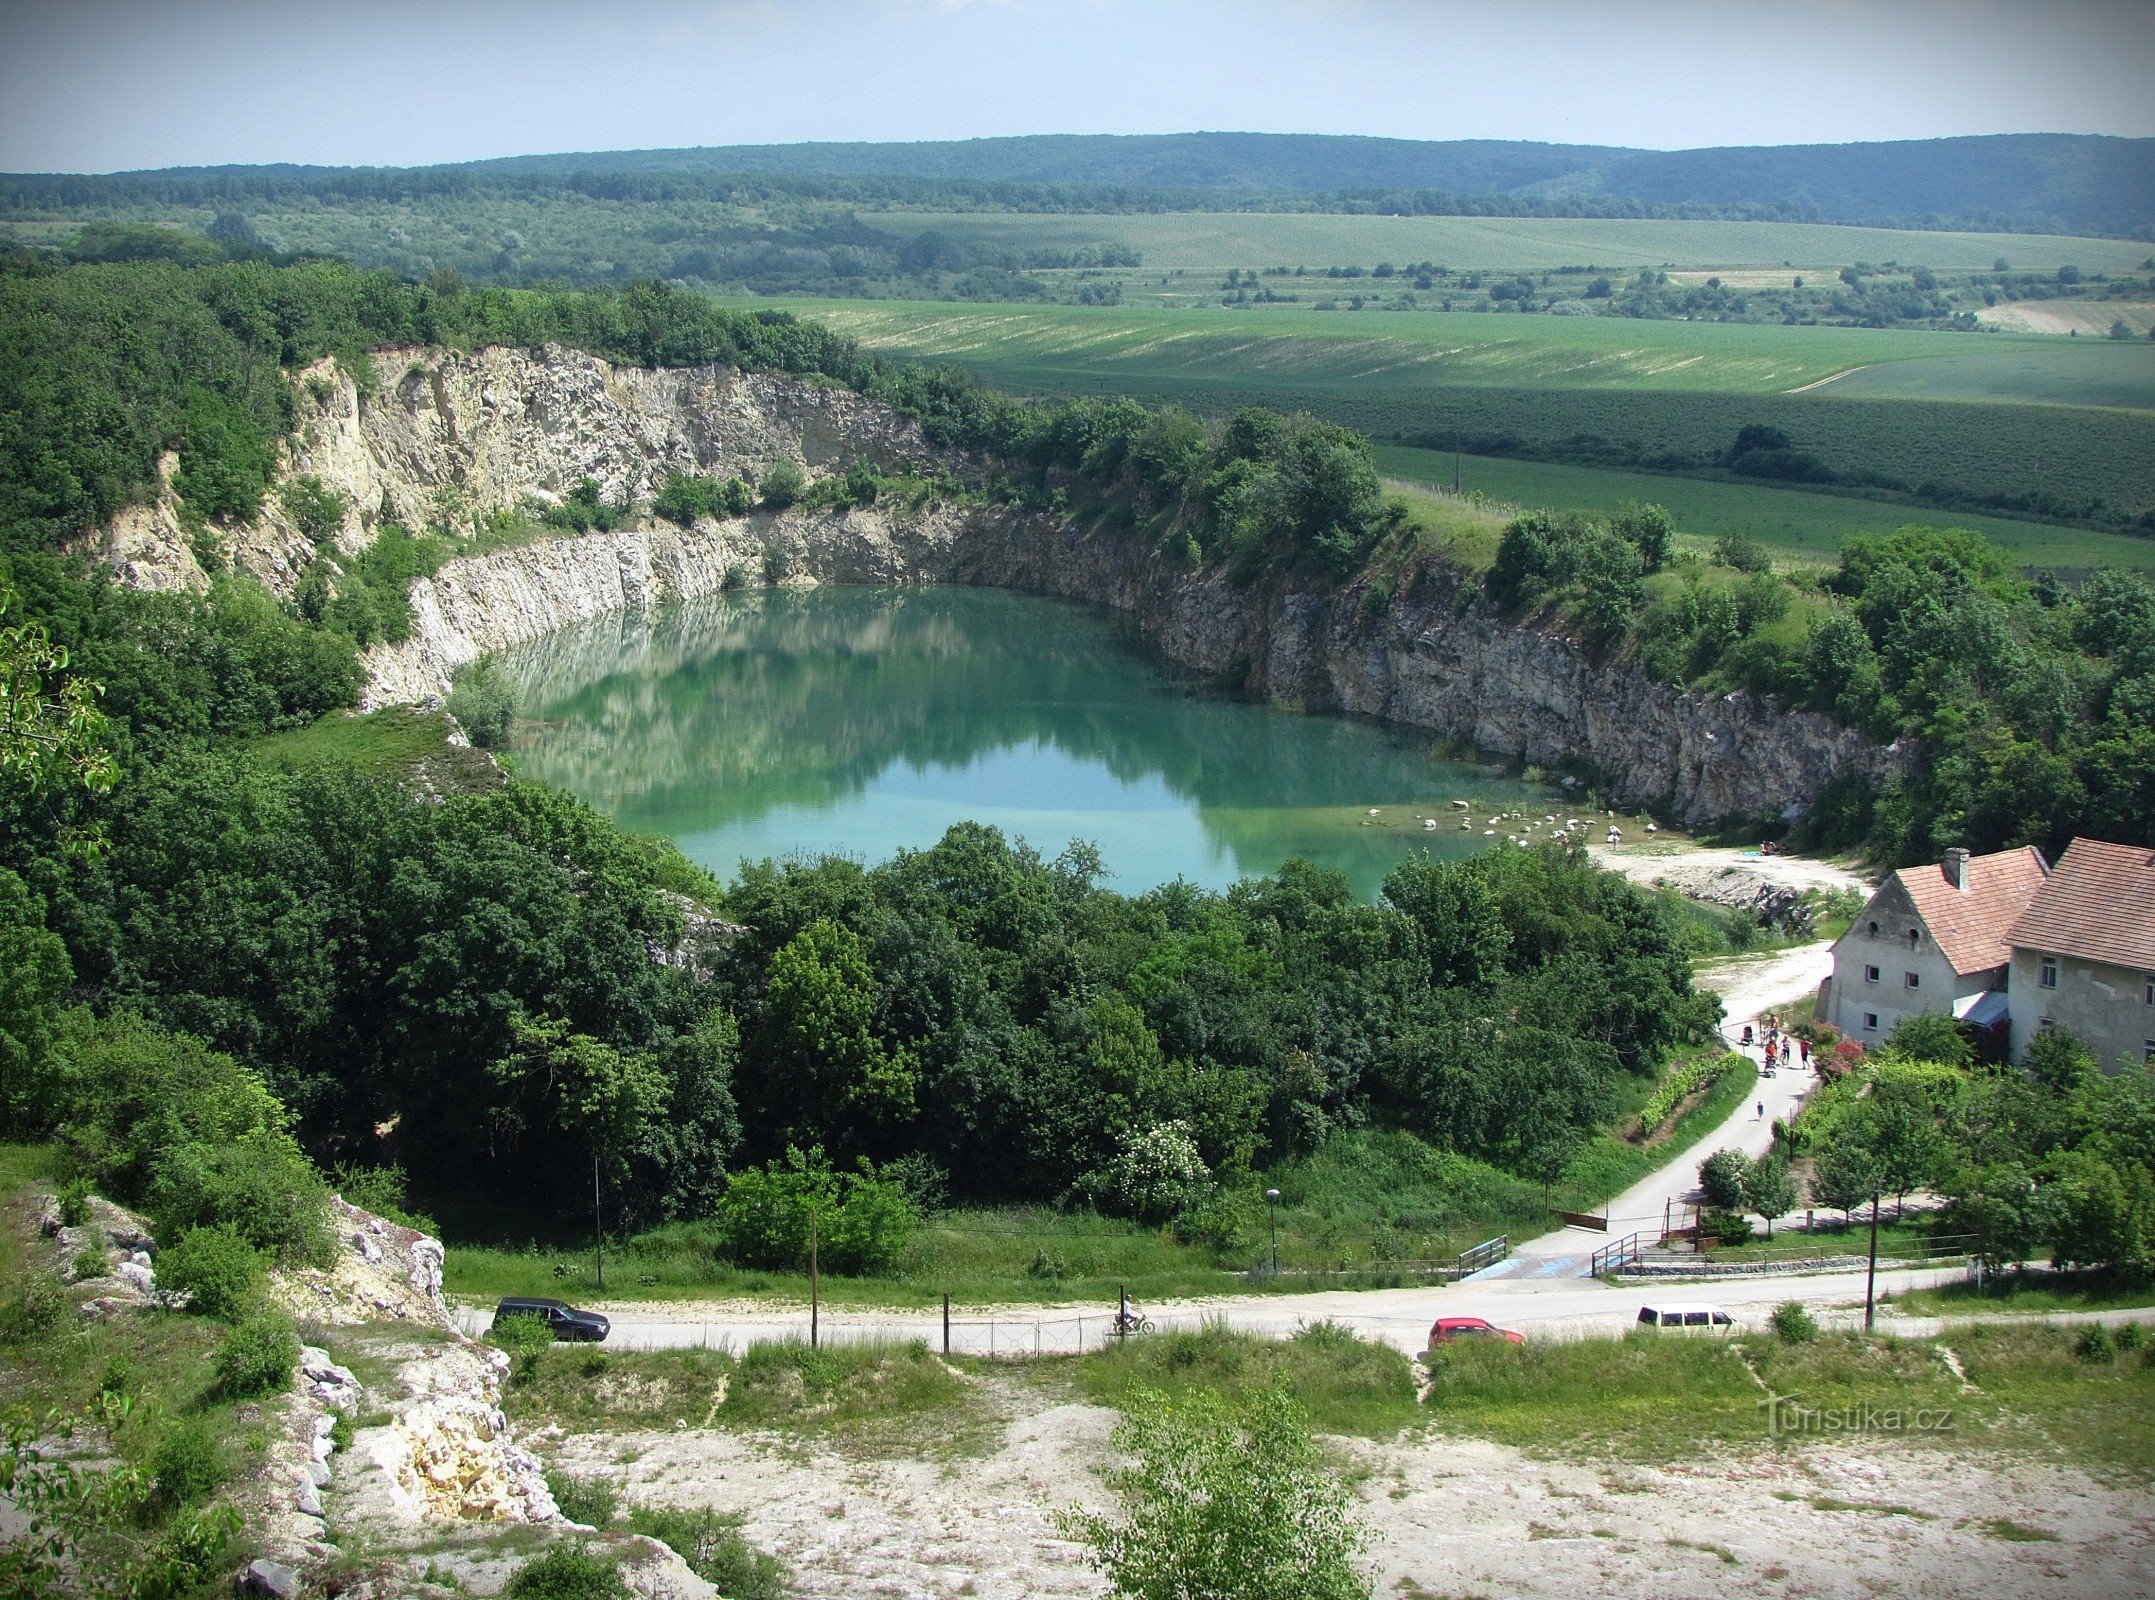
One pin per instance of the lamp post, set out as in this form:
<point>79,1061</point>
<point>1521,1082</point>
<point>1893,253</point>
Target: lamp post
<point>1272,1211</point>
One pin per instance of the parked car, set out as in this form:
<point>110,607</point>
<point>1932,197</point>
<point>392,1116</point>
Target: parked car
<point>1449,1328</point>
<point>1691,1317</point>
<point>564,1321</point>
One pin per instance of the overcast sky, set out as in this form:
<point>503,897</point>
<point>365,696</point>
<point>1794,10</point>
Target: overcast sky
<point>100,85</point>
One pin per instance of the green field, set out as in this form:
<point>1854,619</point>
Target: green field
<point>1429,349</point>
<point>1668,396</point>
<point>1798,527</point>
<point>2045,370</point>
<point>1216,240</point>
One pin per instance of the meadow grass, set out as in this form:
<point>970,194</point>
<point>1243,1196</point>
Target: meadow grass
<point>1344,1384</point>
<point>1653,1397</point>
<point>394,741</point>
<point>2036,1290</point>
<point>868,1398</point>
<point>1798,528</point>
<point>1215,240</point>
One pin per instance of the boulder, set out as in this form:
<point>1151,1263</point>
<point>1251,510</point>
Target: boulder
<point>269,1578</point>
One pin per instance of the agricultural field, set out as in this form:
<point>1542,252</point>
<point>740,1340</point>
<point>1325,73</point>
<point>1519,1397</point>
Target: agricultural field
<point>1588,391</point>
<point>2059,372</point>
<point>1799,528</point>
<point>1320,347</point>
<point>1214,241</point>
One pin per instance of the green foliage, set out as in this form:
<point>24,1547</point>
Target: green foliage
<point>568,1572</point>
<point>862,1220</point>
<point>51,730</point>
<point>187,1465</point>
<point>526,1339</point>
<point>315,509</point>
<point>1225,1500</point>
<point>1342,1384</point>
<point>1768,1188</point>
<point>226,457</point>
<point>1793,1323</point>
<point>783,483</point>
<point>1698,1073</point>
<point>33,1301</point>
<point>589,1500</point>
<point>257,1358</point>
<point>1721,1179</point>
<point>216,1267</point>
<point>712,1544</point>
<point>684,497</point>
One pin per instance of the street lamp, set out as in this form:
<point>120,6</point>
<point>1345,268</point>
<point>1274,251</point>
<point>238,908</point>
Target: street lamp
<point>1272,1210</point>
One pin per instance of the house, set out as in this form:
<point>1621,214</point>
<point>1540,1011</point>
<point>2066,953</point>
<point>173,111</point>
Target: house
<point>2084,953</point>
<point>1932,939</point>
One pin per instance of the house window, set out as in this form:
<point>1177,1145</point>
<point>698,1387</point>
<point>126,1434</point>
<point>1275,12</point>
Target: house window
<point>2050,972</point>
<point>2147,1051</point>
<point>1915,937</point>
<point>1914,981</point>
<point>1870,1022</point>
<point>2147,990</point>
<point>2045,1024</point>
<point>1870,974</point>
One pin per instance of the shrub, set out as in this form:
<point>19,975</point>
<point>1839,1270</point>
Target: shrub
<point>1701,1072</point>
<point>586,1500</point>
<point>257,1358</point>
<point>1793,1323</point>
<point>482,701</point>
<point>1721,1178</point>
<point>1725,1227</point>
<point>712,1545</point>
<point>90,1261</point>
<point>525,1339</point>
<point>74,1202</point>
<point>1157,1174</point>
<point>2096,1343</point>
<point>1225,1500</point>
<point>186,1467</point>
<point>864,1218</point>
<point>215,1266</point>
<point>315,509</point>
<point>33,1303</point>
<point>568,1572</point>
<point>783,483</point>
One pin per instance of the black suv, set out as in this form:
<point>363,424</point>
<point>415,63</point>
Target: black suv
<point>565,1321</point>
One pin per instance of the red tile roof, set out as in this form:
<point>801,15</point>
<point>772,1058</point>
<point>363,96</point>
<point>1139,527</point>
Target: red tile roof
<point>2097,904</point>
<point>1969,923</point>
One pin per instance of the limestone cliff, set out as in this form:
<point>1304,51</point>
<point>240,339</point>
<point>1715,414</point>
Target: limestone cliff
<point>443,438</point>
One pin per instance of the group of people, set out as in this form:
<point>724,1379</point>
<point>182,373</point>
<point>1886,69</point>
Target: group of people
<point>1781,1049</point>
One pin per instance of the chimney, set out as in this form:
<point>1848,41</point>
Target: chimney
<point>1956,868</point>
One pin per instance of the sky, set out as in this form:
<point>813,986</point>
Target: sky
<point>106,85</point>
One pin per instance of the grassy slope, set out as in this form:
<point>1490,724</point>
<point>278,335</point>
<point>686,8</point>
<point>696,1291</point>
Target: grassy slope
<point>1798,527</point>
<point>2064,372</point>
<point>1196,241</point>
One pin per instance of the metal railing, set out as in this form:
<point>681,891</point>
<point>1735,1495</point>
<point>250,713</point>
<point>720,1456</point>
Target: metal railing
<point>1486,1254</point>
<point>1615,1255</point>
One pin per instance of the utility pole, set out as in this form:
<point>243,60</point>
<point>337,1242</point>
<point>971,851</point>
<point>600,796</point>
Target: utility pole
<point>598,1218</point>
<point>1455,461</point>
<point>1870,1282</point>
<point>1272,1209</point>
<point>815,1288</point>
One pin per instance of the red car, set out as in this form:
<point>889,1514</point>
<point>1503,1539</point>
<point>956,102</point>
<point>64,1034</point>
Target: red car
<point>1450,1328</point>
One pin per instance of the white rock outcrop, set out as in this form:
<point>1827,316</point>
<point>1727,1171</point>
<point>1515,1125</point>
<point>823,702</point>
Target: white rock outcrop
<point>445,438</point>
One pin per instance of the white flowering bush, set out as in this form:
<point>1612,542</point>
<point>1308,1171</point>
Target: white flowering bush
<point>1157,1175</point>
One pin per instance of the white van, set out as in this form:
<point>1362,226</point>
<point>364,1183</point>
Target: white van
<point>1689,1317</point>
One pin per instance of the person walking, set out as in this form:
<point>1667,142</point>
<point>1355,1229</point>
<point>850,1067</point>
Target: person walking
<point>1762,1111</point>
<point>1806,1052</point>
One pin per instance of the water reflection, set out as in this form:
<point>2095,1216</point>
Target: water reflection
<point>861,720</point>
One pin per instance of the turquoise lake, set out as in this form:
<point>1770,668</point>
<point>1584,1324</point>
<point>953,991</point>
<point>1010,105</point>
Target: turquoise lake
<point>864,721</point>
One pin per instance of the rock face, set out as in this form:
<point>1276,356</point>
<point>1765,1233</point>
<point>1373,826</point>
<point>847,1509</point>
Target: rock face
<point>446,438</point>
<point>382,1271</point>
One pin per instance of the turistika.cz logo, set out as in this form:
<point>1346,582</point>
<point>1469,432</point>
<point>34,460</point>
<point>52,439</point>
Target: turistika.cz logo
<point>1788,1416</point>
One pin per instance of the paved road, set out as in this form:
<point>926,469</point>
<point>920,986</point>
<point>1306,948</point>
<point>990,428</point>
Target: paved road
<point>1748,989</point>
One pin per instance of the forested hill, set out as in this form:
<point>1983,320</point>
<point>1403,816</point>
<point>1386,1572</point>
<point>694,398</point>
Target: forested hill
<point>2065,183</point>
